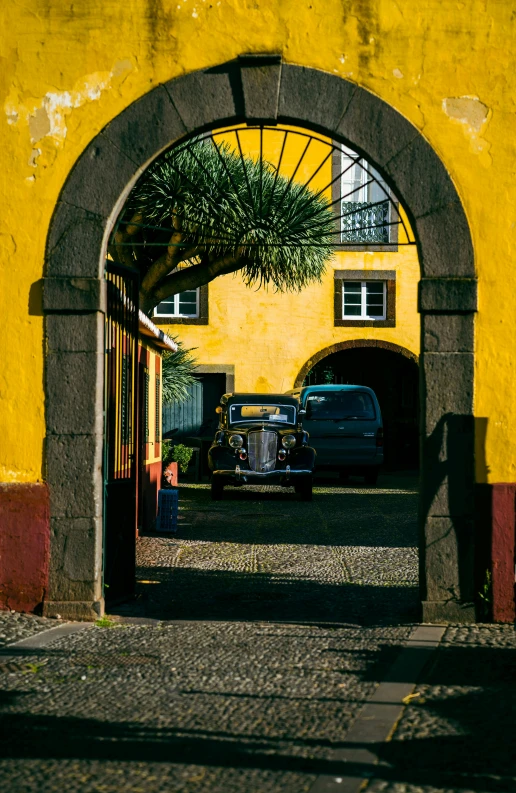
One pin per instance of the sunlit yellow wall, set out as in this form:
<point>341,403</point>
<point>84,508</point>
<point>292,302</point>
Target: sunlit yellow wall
<point>268,336</point>
<point>69,68</point>
<point>153,449</point>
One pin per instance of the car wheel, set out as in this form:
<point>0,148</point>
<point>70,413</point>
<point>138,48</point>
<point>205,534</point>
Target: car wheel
<point>371,477</point>
<point>217,489</point>
<point>305,489</point>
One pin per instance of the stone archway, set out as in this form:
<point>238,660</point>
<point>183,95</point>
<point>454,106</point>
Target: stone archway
<point>256,88</point>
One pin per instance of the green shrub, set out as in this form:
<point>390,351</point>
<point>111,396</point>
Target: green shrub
<point>176,453</point>
<point>486,597</point>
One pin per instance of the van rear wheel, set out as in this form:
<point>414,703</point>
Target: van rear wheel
<point>371,476</point>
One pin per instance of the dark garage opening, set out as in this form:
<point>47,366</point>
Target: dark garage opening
<point>395,380</point>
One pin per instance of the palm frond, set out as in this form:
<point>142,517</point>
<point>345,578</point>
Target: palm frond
<point>238,206</point>
<point>178,373</point>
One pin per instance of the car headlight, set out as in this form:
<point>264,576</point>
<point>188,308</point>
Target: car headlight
<point>288,441</point>
<point>236,441</point>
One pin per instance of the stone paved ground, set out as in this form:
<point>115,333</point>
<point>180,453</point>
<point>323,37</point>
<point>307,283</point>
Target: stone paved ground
<point>14,627</point>
<point>349,556</point>
<point>227,707</point>
<point>269,622</point>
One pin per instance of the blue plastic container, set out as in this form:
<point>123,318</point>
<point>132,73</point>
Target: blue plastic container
<point>168,506</point>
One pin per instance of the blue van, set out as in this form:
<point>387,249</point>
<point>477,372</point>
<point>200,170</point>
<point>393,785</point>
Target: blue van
<point>345,426</point>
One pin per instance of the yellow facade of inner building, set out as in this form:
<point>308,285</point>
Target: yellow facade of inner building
<point>268,337</point>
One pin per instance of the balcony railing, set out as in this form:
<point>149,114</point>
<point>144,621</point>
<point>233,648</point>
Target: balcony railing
<point>365,223</point>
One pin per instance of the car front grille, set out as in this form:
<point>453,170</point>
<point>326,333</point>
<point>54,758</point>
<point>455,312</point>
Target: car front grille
<point>262,447</point>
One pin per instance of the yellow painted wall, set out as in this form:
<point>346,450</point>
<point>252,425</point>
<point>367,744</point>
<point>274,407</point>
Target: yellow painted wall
<point>154,449</point>
<point>268,337</point>
<point>67,69</point>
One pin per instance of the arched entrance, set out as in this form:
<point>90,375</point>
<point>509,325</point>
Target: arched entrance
<point>392,372</point>
<point>257,89</point>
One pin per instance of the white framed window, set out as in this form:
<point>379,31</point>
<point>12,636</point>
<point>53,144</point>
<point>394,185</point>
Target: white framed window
<point>365,205</point>
<point>353,179</point>
<point>184,304</point>
<point>364,300</point>
<point>360,181</point>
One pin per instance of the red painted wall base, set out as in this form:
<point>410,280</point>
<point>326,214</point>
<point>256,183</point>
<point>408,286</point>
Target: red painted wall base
<point>150,485</point>
<point>24,545</point>
<point>496,546</point>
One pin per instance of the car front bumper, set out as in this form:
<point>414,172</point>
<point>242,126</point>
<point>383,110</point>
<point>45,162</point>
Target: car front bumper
<point>282,476</point>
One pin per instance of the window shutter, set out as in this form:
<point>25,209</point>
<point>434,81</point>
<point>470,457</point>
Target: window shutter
<point>158,411</point>
<point>146,384</point>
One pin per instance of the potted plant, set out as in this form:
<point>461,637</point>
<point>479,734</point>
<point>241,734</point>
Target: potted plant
<point>175,456</point>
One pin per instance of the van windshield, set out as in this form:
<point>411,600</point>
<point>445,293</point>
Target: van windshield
<point>339,405</point>
<point>277,414</point>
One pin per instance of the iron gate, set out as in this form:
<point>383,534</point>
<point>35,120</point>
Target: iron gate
<point>120,442</point>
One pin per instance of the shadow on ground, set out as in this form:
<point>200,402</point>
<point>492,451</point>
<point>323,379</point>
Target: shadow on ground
<point>193,594</point>
<point>458,742</point>
<point>368,518</point>
<point>260,554</point>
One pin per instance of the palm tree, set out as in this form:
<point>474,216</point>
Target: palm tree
<point>203,210</point>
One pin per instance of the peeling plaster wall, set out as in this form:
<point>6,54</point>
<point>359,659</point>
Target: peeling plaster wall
<point>68,69</point>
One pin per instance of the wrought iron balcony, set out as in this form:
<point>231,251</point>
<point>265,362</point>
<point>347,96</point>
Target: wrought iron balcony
<point>363,222</point>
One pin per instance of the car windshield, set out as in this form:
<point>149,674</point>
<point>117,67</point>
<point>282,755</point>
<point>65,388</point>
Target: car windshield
<point>339,405</point>
<point>279,414</point>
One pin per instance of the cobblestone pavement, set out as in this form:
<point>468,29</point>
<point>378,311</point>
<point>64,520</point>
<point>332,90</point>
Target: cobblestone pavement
<point>14,627</point>
<point>189,706</point>
<point>266,623</point>
<point>349,556</point>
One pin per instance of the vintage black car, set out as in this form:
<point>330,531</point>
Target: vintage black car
<point>260,440</point>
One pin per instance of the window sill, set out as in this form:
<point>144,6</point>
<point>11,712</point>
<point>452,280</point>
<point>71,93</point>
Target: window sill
<point>180,320</point>
<point>365,323</point>
<point>357,246</point>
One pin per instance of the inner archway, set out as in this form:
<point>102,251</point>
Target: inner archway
<point>263,89</point>
<point>392,372</point>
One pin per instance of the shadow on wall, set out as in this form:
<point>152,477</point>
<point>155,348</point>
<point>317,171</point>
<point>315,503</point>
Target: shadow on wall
<point>495,524</point>
<point>455,531</point>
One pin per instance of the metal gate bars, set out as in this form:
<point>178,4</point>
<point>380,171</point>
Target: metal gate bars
<point>120,457</point>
